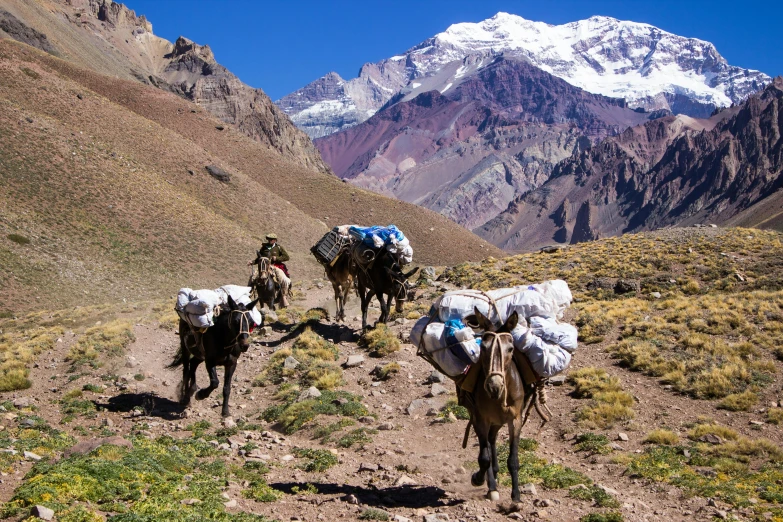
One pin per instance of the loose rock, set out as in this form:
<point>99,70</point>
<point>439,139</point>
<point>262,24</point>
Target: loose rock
<point>354,360</point>
<point>42,512</point>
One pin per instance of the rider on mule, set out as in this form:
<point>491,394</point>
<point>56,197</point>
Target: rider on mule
<point>277,257</point>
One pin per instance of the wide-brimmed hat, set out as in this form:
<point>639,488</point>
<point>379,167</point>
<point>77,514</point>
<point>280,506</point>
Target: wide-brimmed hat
<point>271,236</point>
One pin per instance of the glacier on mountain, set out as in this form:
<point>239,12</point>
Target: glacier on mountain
<point>650,68</point>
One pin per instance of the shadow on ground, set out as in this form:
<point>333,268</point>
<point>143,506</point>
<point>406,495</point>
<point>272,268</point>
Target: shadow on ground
<point>152,405</point>
<point>332,332</point>
<point>393,496</point>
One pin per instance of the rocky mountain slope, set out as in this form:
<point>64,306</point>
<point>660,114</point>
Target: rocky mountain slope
<point>645,65</point>
<point>467,148</point>
<point>673,171</point>
<point>111,39</point>
<point>117,190</point>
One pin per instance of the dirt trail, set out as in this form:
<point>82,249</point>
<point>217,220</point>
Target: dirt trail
<point>428,451</point>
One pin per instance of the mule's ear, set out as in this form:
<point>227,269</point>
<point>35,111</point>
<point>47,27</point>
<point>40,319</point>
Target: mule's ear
<point>511,322</point>
<point>231,303</point>
<point>252,304</point>
<point>409,274</point>
<point>483,323</point>
<point>393,274</point>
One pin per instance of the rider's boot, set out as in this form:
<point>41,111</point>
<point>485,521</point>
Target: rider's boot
<point>284,300</point>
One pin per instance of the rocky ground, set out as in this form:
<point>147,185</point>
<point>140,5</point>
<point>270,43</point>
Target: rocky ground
<point>413,468</point>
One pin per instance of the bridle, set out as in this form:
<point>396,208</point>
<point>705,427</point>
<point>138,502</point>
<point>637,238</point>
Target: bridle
<point>245,326</point>
<point>497,364</point>
<point>264,268</point>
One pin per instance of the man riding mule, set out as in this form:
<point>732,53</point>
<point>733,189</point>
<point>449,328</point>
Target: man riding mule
<point>271,258</point>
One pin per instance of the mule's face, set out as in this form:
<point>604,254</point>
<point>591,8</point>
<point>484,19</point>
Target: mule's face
<point>497,353</point>
<point>240,323</point>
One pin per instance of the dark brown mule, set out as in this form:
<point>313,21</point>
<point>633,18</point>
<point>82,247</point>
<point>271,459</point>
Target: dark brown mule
<point>499,398</point>
<point>220,345</point>
<point>382,276</point>
<point>339,274</point>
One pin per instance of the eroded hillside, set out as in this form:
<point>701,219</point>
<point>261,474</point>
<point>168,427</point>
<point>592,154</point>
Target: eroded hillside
<point>107,196</point>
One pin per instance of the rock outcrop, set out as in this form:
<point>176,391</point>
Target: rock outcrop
<point>675,171</point>
<point>110,38</point>
<point>470,150</point>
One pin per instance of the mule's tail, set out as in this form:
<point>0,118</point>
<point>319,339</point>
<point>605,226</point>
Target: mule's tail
<point>179,358</point>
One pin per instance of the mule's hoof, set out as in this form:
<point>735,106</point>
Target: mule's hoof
<point>477,479</point>
<point>228,422</point>
<point>494,496</point>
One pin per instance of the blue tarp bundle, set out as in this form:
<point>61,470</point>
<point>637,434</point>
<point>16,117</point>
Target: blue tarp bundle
<point>365,234</point>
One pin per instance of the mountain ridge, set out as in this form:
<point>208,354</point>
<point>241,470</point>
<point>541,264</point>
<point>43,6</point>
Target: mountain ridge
<point>110,38</point>
<point>649,67</point>
<point>668,172</point>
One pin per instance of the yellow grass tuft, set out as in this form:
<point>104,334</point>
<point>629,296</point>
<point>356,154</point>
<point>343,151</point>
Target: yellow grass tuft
<point>662,436</point>
<point>381,341</point>
<point>739,401</point>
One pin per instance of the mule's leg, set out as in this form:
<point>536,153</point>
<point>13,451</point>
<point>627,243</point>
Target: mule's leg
<point>191,379</point>
<point>384,309</point>
<point>364,296</point>
<point>514,429</point>
<point>203,393</point>
<point>492,470</point>
<point>231,365</point>
<point>484,457</point>
<point>337,302</point>
<point>493,437</point>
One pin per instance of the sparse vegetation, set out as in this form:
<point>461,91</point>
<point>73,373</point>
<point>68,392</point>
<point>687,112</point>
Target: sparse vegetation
<point>775,416</point>
<point>739,401</point>
<point>360,436</point>
<point>373,514</point>
<point>595,494</point>
<point>110,339</point>
<point>18,239</point>
<point>662,437</point>
<point>380,341</point>
<point>293,416</point>
<point>315,366</point>
<point>609,403</point>
<point>451,406</point>
<point>611,516</point>
<point>317,460</point>
<point>387,370</point>
<point>593,443</point>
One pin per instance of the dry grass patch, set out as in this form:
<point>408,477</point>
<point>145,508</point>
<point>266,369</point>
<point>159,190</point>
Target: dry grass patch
<point>18,350</point>
<point>663,437</point>
<point>109,339</point>
<point>775,416</point>
<point>316,363</point>
<point>739,401</point>
<point>381,341</point>
<point>609,403</point>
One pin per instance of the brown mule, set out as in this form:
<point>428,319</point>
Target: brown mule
<point>499,398</point>
<point>339,274</point>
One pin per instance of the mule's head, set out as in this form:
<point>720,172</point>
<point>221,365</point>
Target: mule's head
<point>263,269</point>
<point>497,353</point>
<point>240,323</point>
<point>403,289</point>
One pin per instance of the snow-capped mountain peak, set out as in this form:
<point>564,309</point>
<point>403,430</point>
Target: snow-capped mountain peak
<point>649,67</point>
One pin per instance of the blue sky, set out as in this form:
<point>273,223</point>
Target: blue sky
<point>281,46</point>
